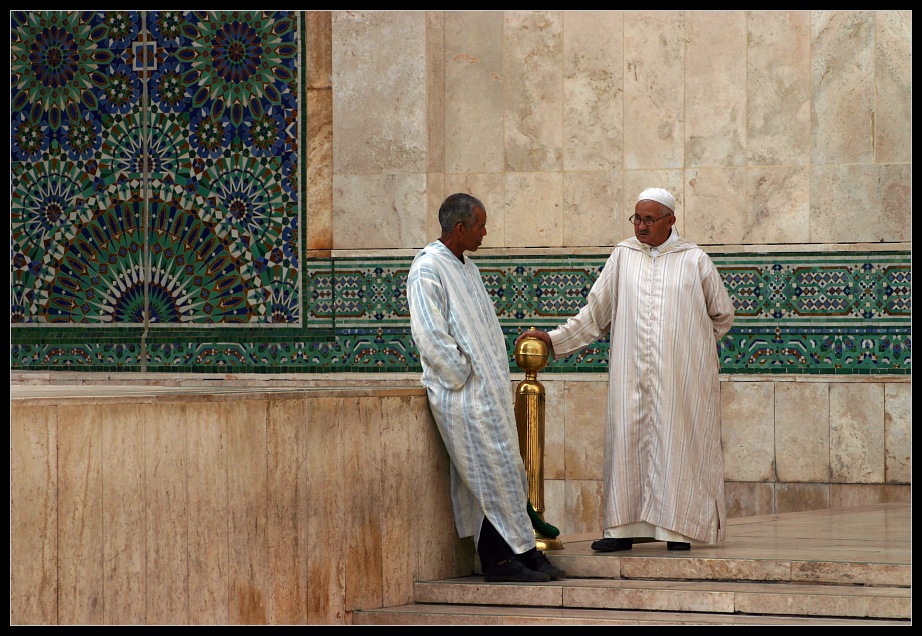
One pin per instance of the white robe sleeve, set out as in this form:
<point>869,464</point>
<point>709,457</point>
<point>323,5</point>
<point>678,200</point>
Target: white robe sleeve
<point>439,350</point>
<point>594,318</point>
<point>719,305</point>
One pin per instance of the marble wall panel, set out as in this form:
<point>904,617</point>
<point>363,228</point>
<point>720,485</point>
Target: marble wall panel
<point>123,515</point>
<point>209,534</point>
<point>749,499</point>
<point>362,494</point>
<point>802,431</point>
<point>586,417</point>
<point>856,433</point>
<point>778,205</point>
<point>843,86</point>
<point>748,431</point>
<point>399,484</point>
<point>289,505</point>
<point>555,504</point>
<point>593,81</point>
<point>80,532</point>
<point>714,198</point>
<point>778,88</point>
<point>248,573</point>
<point>898,433</point>
<point>584,506</point>
<point>715,88</point>
<point>490,189</point>
<point>591,202</point>
<point>534,209</point>
<point>533,95</point>
<point>654,94</point>
<point>318,214</point>
<point>33,515</point>
<point>379,126</point>
<point>318,54</point>
<point>326,570</point>
<point>383,211</point>
<point>853,495</point>
<point>893,86</point>
<point>435,91</point>
<point>555,430</point>
<point>240,510</point>
<point>435,194</point>
<point>434,508</point>
<point>861,203</point>
<point>318,102</point>
<point>474,89</point>
<point>166,529</point>
<point>799,497</point>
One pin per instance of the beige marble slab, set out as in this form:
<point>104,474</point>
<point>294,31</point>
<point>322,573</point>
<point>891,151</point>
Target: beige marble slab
<point>124,515</point>
<point>802,432</point>
<point>326,523</point>
<point>248,512</point>
<point>856,433</point>
<point>654,89</point>
<point>893,85</point>
<point>80,505</point>
<point>362,494</point>
<point>167,528</point>
<point>593,91</point>
<point>207,494</point>
<point>399,482</point>
<point>33,516</point>
<point>532,91</point>
<point>898,433</point>
<point>288,509</point>
<point>748,431</point>
<point>474,90</point>
<point>779,86</point>
<point>715,88</point>
<point>842,58</point>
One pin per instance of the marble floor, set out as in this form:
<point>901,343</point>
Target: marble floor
<point>878,534</point>
<point>847,566</point>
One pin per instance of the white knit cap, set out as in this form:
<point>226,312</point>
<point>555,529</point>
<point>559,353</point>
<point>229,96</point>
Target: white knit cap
<point>659,195</point>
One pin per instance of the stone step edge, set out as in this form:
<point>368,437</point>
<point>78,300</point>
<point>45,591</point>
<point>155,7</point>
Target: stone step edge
<point>449,614</point>
<point>676,596</point>
<point>735,570</point>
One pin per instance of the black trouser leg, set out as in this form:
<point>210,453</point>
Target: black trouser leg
<point>492,546</point>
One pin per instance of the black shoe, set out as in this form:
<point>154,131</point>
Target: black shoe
<point>513,571</point>
<point>677,545</point>
<point>612,545</point>
<point>537,561</point>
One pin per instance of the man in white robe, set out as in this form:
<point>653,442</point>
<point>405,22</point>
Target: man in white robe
<point>466,375</point>
<point>662,301</point>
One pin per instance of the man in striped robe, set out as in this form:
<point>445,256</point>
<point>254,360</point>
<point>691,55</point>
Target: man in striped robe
<point>466,375</point>
<point>662,301</point>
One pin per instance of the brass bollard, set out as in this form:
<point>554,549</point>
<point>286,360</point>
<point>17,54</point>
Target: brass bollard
<point>531,356</point>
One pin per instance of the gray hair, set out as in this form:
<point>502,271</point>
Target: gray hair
<point>458,208</point>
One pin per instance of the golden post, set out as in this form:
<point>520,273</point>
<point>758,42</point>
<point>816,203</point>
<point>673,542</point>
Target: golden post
<point>531,356</point>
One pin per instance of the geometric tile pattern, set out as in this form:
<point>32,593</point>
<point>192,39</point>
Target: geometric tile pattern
<point>154,172</point>
<point>156,223</point>
<point>821,313</point>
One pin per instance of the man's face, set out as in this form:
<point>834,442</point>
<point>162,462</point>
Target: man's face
<point>663,220</point>
<point>472,237</point>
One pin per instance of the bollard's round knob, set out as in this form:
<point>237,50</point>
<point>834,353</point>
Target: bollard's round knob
<point>531,354</point>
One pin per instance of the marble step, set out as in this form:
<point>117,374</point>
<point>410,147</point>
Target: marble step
<point>580,561</point>
<point>713,597</point>
<point>450,614</point>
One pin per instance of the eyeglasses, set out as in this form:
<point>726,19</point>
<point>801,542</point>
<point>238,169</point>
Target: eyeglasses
<point>636,220</point>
